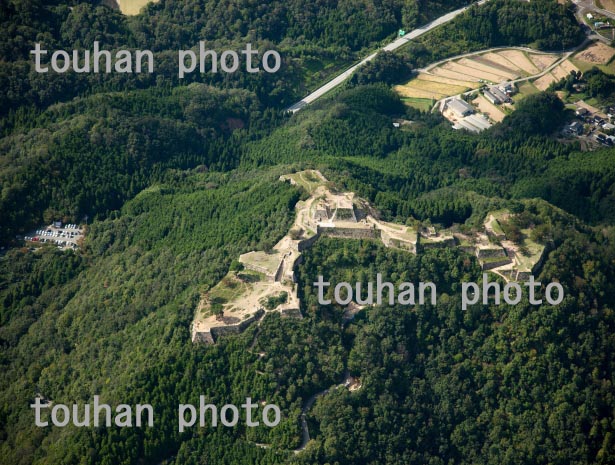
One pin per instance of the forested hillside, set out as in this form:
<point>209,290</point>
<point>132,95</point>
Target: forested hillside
<point>178,179</point>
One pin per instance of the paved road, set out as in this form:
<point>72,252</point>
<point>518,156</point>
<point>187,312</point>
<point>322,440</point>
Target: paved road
<point>390,47</point>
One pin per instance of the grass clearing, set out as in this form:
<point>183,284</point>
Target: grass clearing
<point>530,253</point>
<point>423,104</point>
<point>132,7</point>
<point>309,180</point>
<point>525,89</point>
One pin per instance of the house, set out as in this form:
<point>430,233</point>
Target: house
<point>581,111</point>
<point>608,126</point>
<point>492,98</point>
<point>575,129</point>
<point>507,88</point>
<point>590,16</point>
<point>459,107</point>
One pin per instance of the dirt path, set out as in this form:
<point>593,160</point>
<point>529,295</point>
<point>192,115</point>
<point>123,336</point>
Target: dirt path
<point>305,432</point>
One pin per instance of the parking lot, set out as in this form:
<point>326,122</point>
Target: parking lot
<point>65,236</point>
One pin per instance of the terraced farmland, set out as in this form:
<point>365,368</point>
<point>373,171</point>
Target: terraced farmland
<point>461,75</point>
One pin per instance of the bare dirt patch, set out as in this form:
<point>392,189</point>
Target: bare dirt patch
<point>598,53</point>
<point>487,108</point>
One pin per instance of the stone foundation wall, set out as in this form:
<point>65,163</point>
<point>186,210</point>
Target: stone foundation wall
<point>496,264</point>
<point>258,269</point>
<point>307,243</point>
<point>388,241</point>
<point>292,313</point>
<point>209,337</point>
<point>202,337</point>
<point>350,233</point>
<point>490,253</point>
<point>445,243</point>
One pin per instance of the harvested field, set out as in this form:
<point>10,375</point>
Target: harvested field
<point>542,62</point>
<point>568,66</point>
<point>608,5</point>
<point>521,60</point>
<point>477,65</point>
<point>502,61</point>
<point>563,70</point>
<point>457,68</point>
<point>597,54</point>
<point>545,81</point>
<point>440,88</point>
<point>445,80</point>
<point>501,68</point>
<point>411,92</point>
<point>487,108</point>
<point>453,74</point>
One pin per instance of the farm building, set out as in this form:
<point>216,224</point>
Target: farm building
<point>500,94</point>
<point>459,107</point>
<point>473,123</point>
<point>492,98</point>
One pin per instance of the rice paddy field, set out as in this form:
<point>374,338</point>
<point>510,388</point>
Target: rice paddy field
<point>455,77</point>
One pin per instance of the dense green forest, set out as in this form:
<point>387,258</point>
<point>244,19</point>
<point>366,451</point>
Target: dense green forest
<point>178,179</point>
